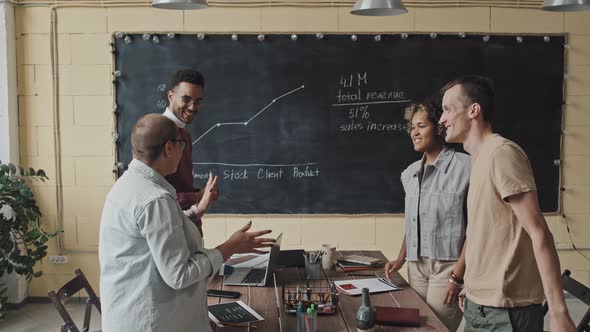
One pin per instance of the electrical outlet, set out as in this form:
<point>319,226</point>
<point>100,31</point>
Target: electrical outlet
<point>58,259</point>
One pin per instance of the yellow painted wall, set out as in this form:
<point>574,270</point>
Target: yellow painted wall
<point>86,99</point>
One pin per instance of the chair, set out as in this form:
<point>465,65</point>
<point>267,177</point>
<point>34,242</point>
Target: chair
<point>579,291</point>
<point>60,297</point>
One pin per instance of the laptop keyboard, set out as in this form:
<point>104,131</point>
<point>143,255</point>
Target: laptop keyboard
<point>255,276</point>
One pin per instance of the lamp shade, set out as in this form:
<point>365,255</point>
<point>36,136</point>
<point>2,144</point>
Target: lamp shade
<point>180,4</point>
<point>566,5</point>
<point>378,8</point>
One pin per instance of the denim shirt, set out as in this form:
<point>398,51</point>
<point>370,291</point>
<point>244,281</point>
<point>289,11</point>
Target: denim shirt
<point>154,270</point>
<point>438,204</point>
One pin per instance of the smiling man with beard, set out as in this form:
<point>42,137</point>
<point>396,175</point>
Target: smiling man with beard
<point>184,97</point>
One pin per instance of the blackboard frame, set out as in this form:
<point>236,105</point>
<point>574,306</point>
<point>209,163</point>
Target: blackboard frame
<point>555,205</point>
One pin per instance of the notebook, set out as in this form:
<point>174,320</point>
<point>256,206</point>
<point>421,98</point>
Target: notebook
<point>255,275</point>
<point>351,267</point>
<point>364,260</point>
<point>398,316</point>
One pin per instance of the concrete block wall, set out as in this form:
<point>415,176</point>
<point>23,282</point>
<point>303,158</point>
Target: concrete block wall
<point>86,98</point>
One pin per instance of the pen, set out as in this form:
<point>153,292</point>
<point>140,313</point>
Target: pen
<point>210,175</point>
<point>320,255</point>
<point>307,324</point>
<point>385,281</point>
<point>238,324</point>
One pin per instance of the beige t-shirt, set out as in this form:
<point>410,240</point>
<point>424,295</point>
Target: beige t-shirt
<point>501,270</point>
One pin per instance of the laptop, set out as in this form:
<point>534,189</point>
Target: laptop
<point>256,276</point>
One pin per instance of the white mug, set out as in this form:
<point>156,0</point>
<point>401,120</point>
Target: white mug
<point>329,256</point>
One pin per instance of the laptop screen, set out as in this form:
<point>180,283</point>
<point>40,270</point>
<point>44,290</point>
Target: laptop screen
<point>273,259</point>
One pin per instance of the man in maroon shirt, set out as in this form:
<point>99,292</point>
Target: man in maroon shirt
<point>184,97</point>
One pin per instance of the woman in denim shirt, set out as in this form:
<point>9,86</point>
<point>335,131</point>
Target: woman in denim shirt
<point>435,215</point>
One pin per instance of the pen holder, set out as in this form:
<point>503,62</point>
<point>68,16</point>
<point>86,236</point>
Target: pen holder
<point>313,269</point>
<point>307,322</point>
<point>328,257</point>
<point>321,292</point>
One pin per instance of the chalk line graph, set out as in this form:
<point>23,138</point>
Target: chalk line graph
<point>220,124</point>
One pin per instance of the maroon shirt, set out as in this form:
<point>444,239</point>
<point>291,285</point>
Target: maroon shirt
<point>182,180</point>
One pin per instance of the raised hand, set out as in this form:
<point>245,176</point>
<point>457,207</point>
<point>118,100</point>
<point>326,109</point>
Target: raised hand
<point>243,241</point>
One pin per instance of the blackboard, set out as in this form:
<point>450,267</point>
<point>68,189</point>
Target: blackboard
<point>334,139</point>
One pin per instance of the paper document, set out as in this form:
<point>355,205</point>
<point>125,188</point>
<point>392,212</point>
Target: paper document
<point>355,286</point>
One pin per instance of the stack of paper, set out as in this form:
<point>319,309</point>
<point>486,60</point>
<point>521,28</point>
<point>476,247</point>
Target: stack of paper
<point>355,287</point>
<point>351,267</point>
<point>364,260</point>
<point>352,263</point>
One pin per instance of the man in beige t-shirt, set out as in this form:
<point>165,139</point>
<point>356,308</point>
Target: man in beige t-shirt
<point>510,254</point>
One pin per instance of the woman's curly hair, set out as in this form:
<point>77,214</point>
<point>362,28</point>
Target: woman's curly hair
<point>432,107</point>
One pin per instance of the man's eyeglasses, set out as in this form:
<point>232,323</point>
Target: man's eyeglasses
<point>186,100</point>
<point>181,141</point>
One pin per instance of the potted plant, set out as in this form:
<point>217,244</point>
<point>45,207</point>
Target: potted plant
<point>22,240</point>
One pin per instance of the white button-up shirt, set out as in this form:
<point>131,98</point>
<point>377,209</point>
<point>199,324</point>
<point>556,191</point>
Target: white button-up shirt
<point>154,270</point>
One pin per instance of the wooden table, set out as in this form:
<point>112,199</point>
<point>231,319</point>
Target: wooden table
<point>263,301</point>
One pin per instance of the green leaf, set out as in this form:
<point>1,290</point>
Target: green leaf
<point>33,234</point>
<point>37,274</point>
<point>21,170</point>
<point>42,174</point>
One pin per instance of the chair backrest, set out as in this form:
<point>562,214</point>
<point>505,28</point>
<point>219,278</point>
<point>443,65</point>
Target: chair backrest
<point>581,292</point>
<point>63,294</point>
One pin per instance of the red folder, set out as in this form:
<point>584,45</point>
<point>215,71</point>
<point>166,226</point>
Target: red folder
<point>398,316</point>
